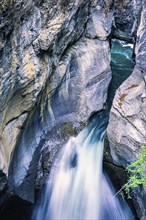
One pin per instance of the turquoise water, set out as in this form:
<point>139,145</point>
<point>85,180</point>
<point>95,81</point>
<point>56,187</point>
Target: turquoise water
<point>122,65</point>
<point>77,188</point>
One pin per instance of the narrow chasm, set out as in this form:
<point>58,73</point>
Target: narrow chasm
<point>72,108</point>
<point>77,175</point>
<point>122,65</point>
<point>69,175</point>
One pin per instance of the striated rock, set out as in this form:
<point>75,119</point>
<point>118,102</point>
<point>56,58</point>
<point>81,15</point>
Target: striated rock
<point>128,114</point>
<point>126,19</point>
<point>53,76</point>
<point>141,43</point>
<point>100,21</point>
<point>76,83</point>
<point>128,110</point>
<point>24,69</point>
<point>129,117</point>
<point>9,139</point>
<point>70,98</point>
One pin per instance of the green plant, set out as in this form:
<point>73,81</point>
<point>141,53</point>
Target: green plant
<point>137,172</point>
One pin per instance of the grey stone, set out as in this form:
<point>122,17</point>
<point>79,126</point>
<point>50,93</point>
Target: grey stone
<point>126,18</point>
<point>127,125</point>
<point>52,73</point>
<point>100,23</point>
<point>71,97</point>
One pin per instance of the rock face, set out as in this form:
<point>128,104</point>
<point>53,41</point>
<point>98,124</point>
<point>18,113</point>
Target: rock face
<point>128,113</point>
<point>128,109</point>
<point>54,73</point>
<point>128,116</point>
<point>126,19</point>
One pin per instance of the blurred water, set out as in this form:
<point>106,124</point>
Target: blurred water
<point>77,188</point>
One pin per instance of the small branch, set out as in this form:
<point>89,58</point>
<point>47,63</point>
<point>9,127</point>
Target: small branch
<point>121,188</point>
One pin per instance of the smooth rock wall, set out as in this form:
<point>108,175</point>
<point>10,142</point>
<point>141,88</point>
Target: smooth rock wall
<point>128,114</point>
<point>55,72</point>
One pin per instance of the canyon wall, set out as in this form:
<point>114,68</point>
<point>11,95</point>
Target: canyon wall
<point>127,125</point>
<point>54,74</point>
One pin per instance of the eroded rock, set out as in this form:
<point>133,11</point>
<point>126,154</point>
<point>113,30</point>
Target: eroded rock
<point>53,73</point>
<point>126,129</point>
<point>126,19</point>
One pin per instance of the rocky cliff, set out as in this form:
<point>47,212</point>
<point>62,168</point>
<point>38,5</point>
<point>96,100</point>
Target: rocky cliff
<point>128,113</point>
<point>54,74</point>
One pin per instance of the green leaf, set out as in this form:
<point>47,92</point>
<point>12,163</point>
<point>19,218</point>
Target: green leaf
<point>137,172</point>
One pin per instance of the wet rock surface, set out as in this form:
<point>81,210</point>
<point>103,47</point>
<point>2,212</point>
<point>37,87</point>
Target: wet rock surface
<point>128,109</point>
<point>126,19</point>
<point>54,73</point>
<point>128,114</point>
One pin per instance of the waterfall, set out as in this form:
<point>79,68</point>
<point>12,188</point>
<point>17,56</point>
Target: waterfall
<point>77,188</point>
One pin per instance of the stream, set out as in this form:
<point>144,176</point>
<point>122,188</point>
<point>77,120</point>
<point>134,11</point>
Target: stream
<point>77,188</point>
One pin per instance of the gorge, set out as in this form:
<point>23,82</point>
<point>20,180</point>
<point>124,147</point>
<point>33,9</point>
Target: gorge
<point>77,188</point>
<point>55,74</point>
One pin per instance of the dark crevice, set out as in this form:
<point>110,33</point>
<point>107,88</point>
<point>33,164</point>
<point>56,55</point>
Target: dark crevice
<point>16,208</point>
<point>114,164</point>
<point>121,59</point>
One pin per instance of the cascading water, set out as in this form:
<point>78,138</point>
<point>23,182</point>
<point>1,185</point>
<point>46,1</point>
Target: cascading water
<point>77,188</point>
